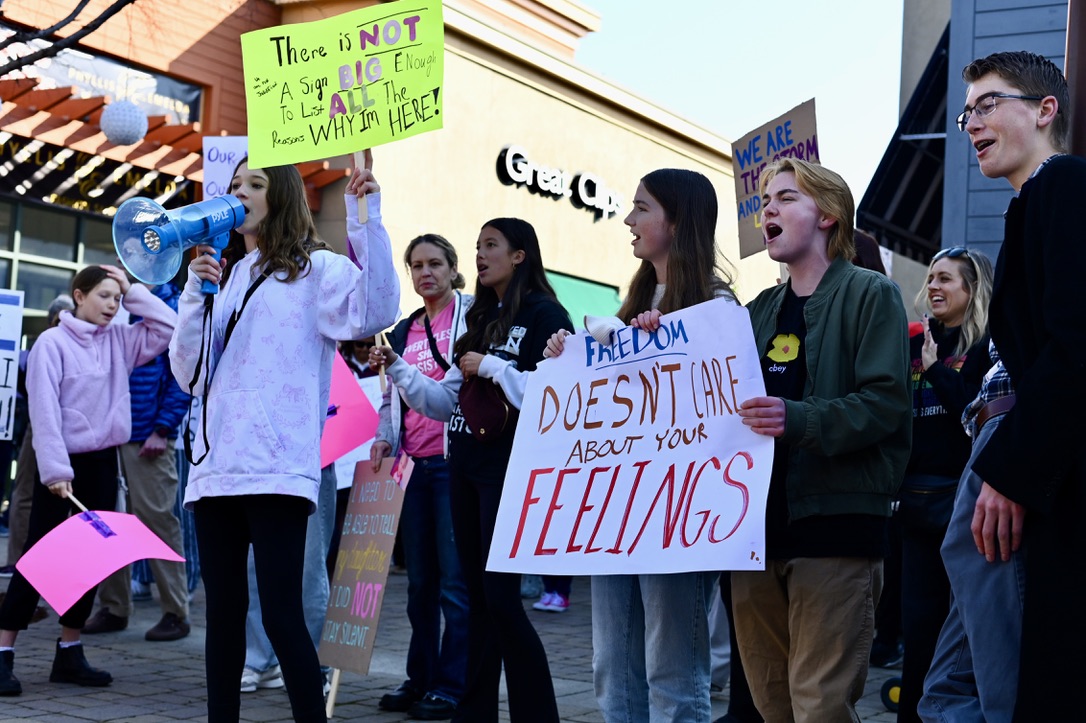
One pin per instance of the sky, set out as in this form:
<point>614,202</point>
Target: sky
<point>733,65</point>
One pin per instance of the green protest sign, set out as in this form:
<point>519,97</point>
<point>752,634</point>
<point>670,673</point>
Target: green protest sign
<point>334,86</point>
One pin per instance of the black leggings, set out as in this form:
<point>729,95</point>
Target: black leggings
<point>498,628</point>
<point>275,525</point>
<point>94,483</point>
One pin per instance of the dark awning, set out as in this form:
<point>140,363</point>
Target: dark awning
<point>903,205</point>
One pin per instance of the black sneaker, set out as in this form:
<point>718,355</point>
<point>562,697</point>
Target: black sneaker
<point>401,699</point>
<point>432,707</point>
<point>9,684</point>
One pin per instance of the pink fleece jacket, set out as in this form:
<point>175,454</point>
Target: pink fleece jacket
<point>77,381</point>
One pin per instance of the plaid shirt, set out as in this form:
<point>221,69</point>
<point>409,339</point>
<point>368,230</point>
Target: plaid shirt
<point>996,384</point>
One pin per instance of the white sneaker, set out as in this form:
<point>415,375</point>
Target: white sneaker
<point>544,602</point>
<point>558,603</point>
<point>270,678</point>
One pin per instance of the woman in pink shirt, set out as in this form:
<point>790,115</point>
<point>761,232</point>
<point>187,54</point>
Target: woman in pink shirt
<point>436,662</point>
<point>77,387</point>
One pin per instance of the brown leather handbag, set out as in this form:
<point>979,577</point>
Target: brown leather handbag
<point>488,413</point>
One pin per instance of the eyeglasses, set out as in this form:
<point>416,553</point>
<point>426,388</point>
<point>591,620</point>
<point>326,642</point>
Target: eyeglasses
<point>986,105</point>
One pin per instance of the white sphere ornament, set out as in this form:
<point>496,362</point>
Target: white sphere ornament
<point>124,123</point>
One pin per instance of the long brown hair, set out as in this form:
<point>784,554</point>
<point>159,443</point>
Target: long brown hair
<point>695,272</point>
<point>287,235</point>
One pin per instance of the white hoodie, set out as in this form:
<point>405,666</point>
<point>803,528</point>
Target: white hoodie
<point>268,396</point>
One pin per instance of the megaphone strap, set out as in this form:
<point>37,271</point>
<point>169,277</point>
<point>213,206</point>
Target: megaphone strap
<point>205,361</point>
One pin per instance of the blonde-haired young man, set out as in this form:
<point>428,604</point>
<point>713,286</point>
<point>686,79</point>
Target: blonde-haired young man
<point>835,361</point>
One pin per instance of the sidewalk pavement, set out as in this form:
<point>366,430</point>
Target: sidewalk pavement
<point>157,682</point>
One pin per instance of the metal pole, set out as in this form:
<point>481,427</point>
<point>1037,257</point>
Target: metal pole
<point>1075,70</point>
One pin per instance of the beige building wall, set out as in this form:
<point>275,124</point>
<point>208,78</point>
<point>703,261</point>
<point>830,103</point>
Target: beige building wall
<point>446,181</point>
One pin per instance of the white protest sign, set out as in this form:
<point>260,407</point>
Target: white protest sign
<point>11,332</point>
<point>631,458</point>
<point>222,154</point>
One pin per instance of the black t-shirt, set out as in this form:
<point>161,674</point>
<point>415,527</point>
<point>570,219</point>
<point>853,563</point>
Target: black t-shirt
<point>537,319</point>
<point>784,368</point>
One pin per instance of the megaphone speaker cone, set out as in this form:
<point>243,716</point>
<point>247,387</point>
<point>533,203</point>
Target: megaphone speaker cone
<point>144,238</point>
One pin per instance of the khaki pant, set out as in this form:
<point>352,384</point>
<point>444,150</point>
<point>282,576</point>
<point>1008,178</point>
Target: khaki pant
<point>804,628</point>
<point>152,491</point>
<point>22,493</point>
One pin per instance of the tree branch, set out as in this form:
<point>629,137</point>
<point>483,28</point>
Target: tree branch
<point>24,37</point>
<point>67,42</point>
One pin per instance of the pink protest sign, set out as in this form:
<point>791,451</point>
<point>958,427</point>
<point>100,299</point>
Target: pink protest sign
<point>352,420</point>
<point>84,550</point>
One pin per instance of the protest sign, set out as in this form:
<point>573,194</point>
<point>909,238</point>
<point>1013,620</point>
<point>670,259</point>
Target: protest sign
<point>85,549</point>
<point>334,86</point>
<point>630,458</point>
<point>222,154</point>
<point>793,135</point>
<point>11,332</point>
<point>352,419</point>
<point>358,581</point>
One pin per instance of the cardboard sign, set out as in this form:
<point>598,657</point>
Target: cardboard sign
<point>630,458</point>
<point>222,154</point>
<point>793,135</point>
<point>11,332</point>
<point>338,85</point>
<point>358,583</point>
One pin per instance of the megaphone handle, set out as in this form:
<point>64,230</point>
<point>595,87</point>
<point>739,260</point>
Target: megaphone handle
<point>209,287</point>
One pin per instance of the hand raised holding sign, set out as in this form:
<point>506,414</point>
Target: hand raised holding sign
<point>362,182</point>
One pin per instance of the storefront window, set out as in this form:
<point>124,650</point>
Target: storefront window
<point>5,226</point>
<point>47,233</point>
<point>98,242</point>
<point>42,284</point>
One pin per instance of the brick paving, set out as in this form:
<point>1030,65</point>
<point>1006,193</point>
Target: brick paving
<point>155,682</point>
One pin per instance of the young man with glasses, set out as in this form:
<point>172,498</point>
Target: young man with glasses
<point>1011,649</point>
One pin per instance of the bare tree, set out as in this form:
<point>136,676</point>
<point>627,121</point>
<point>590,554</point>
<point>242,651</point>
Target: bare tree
<point>50,51</point>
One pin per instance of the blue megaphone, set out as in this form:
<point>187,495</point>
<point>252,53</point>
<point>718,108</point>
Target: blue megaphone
<point>151,241</point>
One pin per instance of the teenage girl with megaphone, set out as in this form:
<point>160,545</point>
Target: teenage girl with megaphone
<point>261,357</point>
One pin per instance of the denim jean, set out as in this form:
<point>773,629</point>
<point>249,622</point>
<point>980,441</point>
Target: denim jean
<point>974,675</point>
<point>436,662</point>
<point>259,655</point>
<point>650,647</point>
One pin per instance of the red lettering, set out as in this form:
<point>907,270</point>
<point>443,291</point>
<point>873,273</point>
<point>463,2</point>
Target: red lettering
<point>603,513</point>
<point>528,502</point>
<point>690,499</point>
<point>554,506</point>
<point>742,489</point>
<point>670,521</point>
<point>617,548</point>
<point>585,507</point>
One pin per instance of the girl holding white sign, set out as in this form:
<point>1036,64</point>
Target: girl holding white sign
<point>514,313</point>
<point>650,633</point>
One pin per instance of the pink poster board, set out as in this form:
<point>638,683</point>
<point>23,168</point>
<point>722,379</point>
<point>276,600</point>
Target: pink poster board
<point>84,550</point>
<point>352,420</point>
